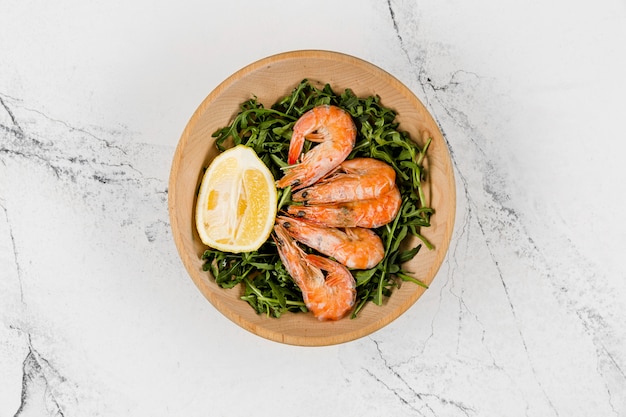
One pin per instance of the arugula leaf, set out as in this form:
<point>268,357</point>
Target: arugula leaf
<point>267,286</point>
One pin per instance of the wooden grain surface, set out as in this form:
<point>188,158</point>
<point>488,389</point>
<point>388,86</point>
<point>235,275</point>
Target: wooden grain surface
<point>272,78</point>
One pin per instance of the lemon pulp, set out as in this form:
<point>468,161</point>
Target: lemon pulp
<point>236,205</point>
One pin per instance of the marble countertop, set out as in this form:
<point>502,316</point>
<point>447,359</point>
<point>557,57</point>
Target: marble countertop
<point>526,316</point>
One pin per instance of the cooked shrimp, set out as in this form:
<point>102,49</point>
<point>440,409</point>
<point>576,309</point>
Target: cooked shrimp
<point>371,213</point>
<point>328,297</point>
<point>335,132</point>
<point>354,179</point>
<point>353,247</point>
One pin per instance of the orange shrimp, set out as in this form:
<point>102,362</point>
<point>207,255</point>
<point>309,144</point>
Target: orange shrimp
<point>370,213</point>
<point>353,247</point>
<point>354,179</point>
<point>335,132</point>
<point>328,297</point>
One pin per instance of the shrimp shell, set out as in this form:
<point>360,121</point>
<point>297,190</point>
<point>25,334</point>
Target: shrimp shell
<point>353,247</point>
<point>334,130</point>
<point>354,179</point>
<point>370,213</point>
<point>328,296</point>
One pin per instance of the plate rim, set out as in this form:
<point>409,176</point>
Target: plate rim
<point>175,227</point>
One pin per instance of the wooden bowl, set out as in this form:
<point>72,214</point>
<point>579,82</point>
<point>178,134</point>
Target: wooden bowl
<point>270,79</point>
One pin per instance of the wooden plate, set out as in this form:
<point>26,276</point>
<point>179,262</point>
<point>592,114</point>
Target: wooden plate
<point>270,79</point>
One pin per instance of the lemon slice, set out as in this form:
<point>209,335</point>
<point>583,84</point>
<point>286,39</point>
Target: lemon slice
<point>236,205</point>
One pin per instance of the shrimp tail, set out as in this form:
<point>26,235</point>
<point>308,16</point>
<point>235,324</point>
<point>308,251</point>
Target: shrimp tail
<point>325,264</point>
<point>295,147</point>
<point>340,289</point>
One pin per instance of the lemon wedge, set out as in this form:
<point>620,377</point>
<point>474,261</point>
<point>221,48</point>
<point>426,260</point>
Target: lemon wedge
<point>236,205</point>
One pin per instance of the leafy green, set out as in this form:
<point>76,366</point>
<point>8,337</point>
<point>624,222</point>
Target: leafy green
<point>268,288</point>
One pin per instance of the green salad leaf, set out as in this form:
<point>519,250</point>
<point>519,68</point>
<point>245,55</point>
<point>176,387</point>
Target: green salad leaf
<point>268,288</point>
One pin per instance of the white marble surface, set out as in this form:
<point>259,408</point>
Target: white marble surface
<point>527,314</point>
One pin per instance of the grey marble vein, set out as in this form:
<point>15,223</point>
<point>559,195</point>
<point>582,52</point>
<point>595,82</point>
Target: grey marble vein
<point>99,318</point>
<point>488,207</point>
<point>104,179</point>
<point>40,387</point>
